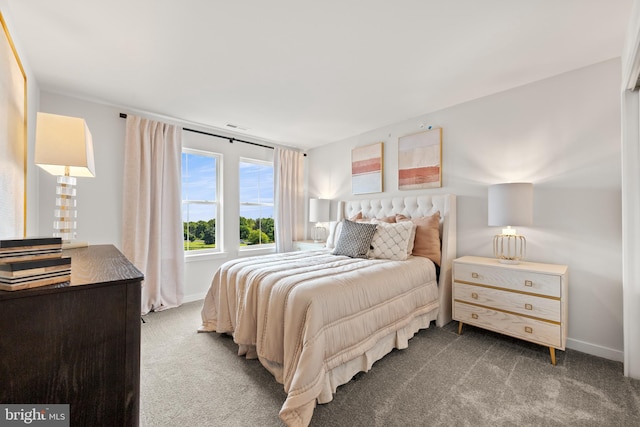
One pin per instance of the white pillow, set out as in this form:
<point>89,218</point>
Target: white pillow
<point>392,240</point>
<point>333,234</point>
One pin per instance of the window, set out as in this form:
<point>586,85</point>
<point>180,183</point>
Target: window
<point>200,204</point>
<point>256,203</point>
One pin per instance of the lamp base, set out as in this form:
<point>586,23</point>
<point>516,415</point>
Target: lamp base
<point>65,214</point>
<point>319,234</point>
<point>509,248</point>
<point>508,261</point>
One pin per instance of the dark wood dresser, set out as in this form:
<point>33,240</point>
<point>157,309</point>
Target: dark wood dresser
<point>77,343</point>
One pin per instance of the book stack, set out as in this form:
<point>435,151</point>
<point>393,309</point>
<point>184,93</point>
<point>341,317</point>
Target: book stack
<point>28,263</point>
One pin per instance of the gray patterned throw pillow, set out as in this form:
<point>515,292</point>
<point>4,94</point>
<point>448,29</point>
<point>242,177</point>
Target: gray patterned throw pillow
<point>355,239</point>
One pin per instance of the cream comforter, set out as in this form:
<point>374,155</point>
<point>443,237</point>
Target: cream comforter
<point>304,314</point>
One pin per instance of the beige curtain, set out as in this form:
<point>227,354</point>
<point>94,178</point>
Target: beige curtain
<point>152,223</point>
<point>288,168</point>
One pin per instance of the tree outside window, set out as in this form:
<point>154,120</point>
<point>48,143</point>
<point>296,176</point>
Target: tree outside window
<point>257,227</point>
<point>200,183</point>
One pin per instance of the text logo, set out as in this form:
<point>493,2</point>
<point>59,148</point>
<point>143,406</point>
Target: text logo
<point>34,415</point>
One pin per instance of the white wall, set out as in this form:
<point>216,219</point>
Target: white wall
<point>99,199</point>
<point>562,134</point>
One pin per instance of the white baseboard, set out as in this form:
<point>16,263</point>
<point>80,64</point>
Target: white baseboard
<point>192,298</point>
<point>596,350</point>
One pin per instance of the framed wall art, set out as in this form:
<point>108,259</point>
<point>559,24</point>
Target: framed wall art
<point>420,160</point>
<point>366,169</point>
<point>13,139</point>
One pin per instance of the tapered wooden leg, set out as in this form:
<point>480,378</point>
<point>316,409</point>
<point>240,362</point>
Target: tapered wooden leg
<point>552,352</point>
<point>459,328</point>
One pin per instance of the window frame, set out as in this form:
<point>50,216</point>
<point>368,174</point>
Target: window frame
<point>217,202</point>
<point>254,161</point>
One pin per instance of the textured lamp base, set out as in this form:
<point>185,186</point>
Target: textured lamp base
<point>319,234</point>
<point>64,224</point>
<point>509,248</point>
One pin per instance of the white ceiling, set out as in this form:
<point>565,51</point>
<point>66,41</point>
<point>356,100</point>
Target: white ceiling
<point>302,72</point>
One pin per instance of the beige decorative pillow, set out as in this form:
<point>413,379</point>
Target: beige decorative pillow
<point>427,241</point>
<point>387,219</point>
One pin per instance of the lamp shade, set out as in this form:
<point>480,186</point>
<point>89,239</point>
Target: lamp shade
<point>511,204</point>
<point>319,210</point>
<point>64,145</point>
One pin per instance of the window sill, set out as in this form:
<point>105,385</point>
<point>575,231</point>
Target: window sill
<point>193,257</point>
<point>256,251</point>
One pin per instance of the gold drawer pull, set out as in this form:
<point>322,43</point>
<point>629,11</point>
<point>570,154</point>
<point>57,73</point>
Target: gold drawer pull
<point>528,329</point>
<point>474,275</point>
<point>473,315</point>
<point>528,283</point>
<point>474,295</point>
<point>528,306</point>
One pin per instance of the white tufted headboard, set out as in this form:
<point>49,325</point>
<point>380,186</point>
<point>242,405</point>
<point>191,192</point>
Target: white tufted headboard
<point>417,206</point>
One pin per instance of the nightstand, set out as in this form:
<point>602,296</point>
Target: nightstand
<point>526,300</point>
<point>307,245</point>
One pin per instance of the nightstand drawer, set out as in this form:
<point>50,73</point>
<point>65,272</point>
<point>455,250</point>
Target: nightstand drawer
<point>522,281</point>
<point>538,331</point>
<point>528,305</point>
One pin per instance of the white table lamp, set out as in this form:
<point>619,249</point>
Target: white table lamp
<point>319,211</point>
<point>64,148</point>
<point>510,205</point>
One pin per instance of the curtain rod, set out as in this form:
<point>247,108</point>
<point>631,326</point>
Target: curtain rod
<point>231,139</point>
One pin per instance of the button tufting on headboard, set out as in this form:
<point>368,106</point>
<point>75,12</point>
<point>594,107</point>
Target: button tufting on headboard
<point>415,206</point>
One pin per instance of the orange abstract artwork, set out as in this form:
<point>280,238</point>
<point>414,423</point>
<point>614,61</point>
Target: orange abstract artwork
<point>420,160</point>
<point>366,169</point>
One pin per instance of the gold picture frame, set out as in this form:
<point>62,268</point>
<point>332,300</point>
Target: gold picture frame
<point>13,139</point>
<point>366,169</point>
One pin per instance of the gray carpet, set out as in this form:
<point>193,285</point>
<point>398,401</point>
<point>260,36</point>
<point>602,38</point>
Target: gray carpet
<point>442,379</point>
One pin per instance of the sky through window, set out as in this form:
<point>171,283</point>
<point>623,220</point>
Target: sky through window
<point>197,185</point>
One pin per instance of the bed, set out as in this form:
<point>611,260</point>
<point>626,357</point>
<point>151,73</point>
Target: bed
<point>314,319</point>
